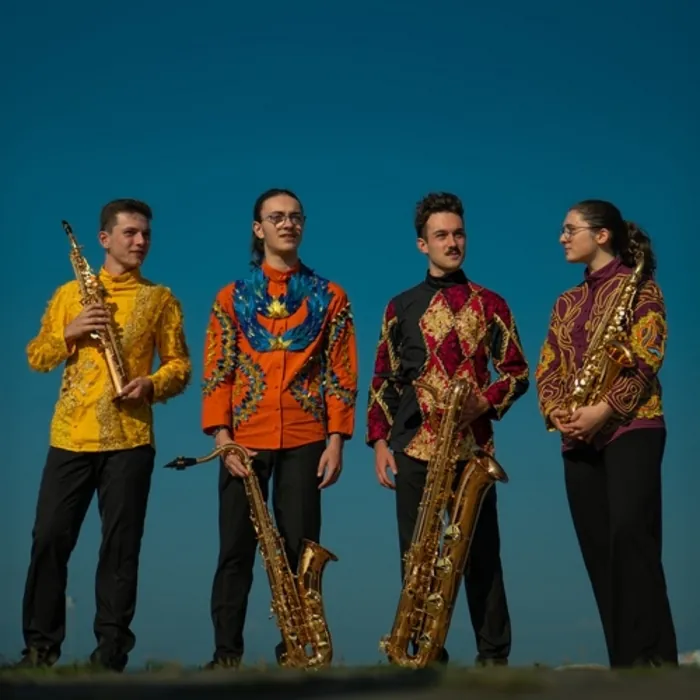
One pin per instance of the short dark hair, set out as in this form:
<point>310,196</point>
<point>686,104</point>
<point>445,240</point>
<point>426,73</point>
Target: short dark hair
<point>628,239</point>
<point>110,211</point>
<point>257,247</point>
<point>434,203</point>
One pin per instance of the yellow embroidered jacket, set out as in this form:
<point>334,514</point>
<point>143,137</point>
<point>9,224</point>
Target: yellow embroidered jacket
<point>147,317</point>
<point>635,396</point>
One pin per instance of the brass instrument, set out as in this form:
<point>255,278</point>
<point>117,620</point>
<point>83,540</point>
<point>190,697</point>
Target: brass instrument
<point>297,602</point>
<point>433,571</point>
<point>608,354</point>
<point>91,292</point>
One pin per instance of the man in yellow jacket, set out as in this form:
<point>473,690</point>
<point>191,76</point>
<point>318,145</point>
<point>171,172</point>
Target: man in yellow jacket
<point>101,440</point>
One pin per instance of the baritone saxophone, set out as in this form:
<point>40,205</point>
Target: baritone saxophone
<point>297,600</point>
<point>435,561</point>
<point>92,292</point>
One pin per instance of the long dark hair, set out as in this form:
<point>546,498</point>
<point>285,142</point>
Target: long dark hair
<point>627,238</point>
<point>257,247</point>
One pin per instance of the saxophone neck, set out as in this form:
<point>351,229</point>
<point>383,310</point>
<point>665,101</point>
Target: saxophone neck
<point>71,237</point>
<point>238,450</point>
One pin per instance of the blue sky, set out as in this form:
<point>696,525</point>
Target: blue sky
<point>361,110</point>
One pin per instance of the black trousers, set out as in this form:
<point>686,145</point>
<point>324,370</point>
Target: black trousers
<point>296,507</point>
<point>122,480</point>
<point>615,500</point>
<point>483,575</point>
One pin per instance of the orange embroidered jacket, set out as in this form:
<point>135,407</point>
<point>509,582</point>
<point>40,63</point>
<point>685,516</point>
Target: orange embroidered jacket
<point>635,396</point>
<point>147,318</point>
<point>280,363</point>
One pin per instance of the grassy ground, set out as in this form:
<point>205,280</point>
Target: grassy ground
<point>182,683</point>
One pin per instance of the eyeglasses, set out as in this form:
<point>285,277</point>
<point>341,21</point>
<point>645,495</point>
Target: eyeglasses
<point>277,218</point>
<point>568,233</point>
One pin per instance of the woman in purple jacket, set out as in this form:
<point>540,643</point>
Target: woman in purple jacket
<point>613,440</point>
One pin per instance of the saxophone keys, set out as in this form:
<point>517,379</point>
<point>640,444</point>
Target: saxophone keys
<point>444,566</point>
<point>435,603</point>
<point>452,533</point>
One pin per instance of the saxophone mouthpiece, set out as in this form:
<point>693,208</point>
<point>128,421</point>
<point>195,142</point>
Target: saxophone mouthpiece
<point>181,463</point>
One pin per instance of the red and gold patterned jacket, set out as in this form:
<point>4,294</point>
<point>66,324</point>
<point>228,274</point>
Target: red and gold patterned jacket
<point>280,362</point>
<point>635,397</point>
<point>443,328</point>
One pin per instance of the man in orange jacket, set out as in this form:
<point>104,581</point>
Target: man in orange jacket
<point>280,380</point>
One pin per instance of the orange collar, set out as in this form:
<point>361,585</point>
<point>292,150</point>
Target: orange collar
<point>278,275</point>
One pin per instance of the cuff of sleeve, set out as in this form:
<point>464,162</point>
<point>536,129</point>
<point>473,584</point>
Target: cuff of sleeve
<point>214,422</point>
<point>492,412</point>
<point>62,347</point>
<point>158,383</point>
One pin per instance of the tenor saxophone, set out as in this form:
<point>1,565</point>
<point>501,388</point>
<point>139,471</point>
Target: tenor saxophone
<point>297,600</point>
<point>92,292</point>
<point>608,353</point>
<point>433,570</point>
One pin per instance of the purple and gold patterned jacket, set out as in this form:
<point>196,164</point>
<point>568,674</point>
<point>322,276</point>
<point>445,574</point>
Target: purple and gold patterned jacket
<point>443,328</point>
<point>635,396</point>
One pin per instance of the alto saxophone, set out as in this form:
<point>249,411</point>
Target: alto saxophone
<point>92,292</point>
<point>433,571</point>
<point>297,601</point>
<point>608,353</point>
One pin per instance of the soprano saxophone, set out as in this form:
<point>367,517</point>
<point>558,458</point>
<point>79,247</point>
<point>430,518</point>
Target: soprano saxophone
<point>297,600</point>
<point>608,353</point>
<point>92,292</point>
<point>433,570</point>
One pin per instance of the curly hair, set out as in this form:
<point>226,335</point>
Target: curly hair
<point>434,203</point>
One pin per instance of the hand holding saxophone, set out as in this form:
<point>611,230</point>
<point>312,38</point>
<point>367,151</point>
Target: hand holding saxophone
<point>233,463</point>
<point>475,405</point>
<point>137,389</point>
<point>93,317</point>
<point>584,422</point>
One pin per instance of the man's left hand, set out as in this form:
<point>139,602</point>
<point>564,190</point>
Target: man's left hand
<point>137,389</point>
<point>331,462</point>
<point>475,405</point>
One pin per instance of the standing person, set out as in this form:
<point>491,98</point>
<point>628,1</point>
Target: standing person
<point>100,442</point>
<point>280,380</point>
<point>613,449</point>
<point>445,327</point>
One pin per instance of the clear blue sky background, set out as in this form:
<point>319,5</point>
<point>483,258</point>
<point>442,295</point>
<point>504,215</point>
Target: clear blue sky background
<point>362,109</point>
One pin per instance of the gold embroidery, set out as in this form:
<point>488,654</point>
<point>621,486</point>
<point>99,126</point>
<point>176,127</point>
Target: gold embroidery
<point>306,389</point>
<point>648,339</point>
<point>249,385</point>
<point>435,325</point>
<point>547,356</point>
<point>221,370</point>
<point>633,395</point>
<point>438,321</point>
<point>85,416</point>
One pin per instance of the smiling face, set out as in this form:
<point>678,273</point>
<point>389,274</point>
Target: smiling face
<point>281,226</point>
<point>444,241</point>
<point>127,242</point>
